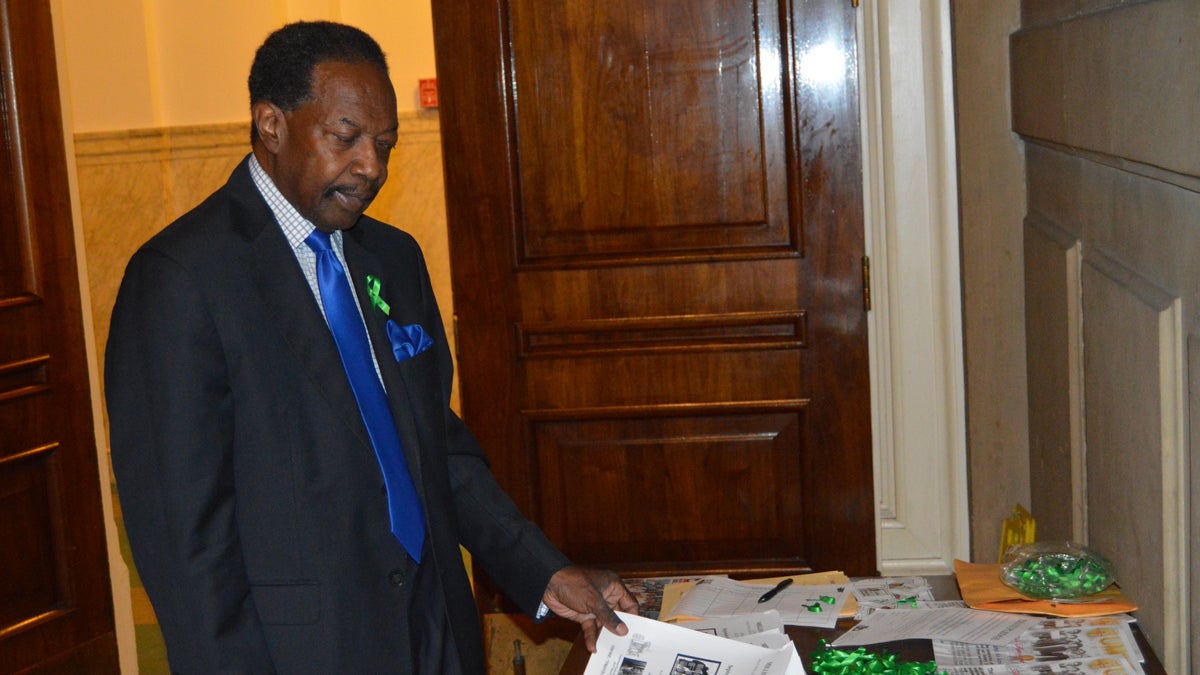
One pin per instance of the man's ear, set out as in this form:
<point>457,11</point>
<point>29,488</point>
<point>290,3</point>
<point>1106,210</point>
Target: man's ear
<point>272,126</point>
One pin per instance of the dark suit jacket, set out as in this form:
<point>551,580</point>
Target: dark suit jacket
<point>248,484</point>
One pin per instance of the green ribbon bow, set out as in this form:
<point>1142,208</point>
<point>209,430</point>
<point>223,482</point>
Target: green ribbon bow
<point>829,661</point>
<point>377,301</point>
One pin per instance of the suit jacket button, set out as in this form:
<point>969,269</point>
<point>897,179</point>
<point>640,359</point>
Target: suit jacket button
<point>396,578</point>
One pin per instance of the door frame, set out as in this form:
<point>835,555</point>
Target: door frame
<point>123,622</point>
<point>910,194</point>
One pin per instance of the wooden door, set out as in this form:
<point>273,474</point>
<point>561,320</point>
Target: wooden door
<point>55,601</point>
<point>655,214</point>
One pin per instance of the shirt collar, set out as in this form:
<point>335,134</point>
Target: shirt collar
<point>295,226</point>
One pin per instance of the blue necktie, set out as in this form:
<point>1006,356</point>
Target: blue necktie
<point>350,334</point>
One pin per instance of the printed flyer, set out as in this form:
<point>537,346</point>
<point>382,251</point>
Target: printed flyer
<point>656,648</point>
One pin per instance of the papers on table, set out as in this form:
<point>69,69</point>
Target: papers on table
<point>895,592</point>
<point>798,605</point>
<point>965,641</point>
<point>657,648</point>
<point>649,592</point>
<point>958,624</point>
<point>1104,665</point>
<point>764,630</point>
<point>674,590</point>
<point>1051,645</point>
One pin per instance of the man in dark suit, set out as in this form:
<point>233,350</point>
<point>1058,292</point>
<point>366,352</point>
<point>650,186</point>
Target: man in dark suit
<point>245,460</point>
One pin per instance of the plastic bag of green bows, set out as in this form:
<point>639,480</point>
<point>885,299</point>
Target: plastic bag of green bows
<point>1059,570</point>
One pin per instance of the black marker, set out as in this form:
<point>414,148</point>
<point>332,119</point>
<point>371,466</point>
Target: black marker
<point>775,591</point>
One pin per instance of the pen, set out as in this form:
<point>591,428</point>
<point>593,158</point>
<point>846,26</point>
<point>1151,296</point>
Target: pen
<point>775,591</point>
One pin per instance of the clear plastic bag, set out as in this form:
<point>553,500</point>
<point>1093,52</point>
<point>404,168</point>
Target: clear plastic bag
<point>1061,570</point>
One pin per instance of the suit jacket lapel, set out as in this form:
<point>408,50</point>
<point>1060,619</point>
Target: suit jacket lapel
<point>294,312</point>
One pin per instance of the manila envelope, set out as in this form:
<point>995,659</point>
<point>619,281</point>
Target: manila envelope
<point>982,588</point>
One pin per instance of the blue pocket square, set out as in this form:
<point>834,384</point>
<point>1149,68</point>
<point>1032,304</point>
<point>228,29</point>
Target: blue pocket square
<point>407,341</point>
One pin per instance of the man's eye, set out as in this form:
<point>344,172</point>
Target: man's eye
<point>347,140</point>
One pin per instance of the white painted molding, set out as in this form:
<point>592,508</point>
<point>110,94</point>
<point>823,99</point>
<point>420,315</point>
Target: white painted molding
<point>911,219</point>
<point>1175,490</point>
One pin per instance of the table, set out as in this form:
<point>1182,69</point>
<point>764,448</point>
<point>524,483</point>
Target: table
<point>806,639</point>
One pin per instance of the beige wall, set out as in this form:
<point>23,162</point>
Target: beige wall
<point>136,64</point>
<point>1106,96</point>
<point>991,205</point>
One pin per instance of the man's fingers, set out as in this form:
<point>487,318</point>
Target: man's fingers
<point>589,597</point>
<point>611,621</point>
<point>591,631</point>
<point>618,596</point>
<point>628,604</point>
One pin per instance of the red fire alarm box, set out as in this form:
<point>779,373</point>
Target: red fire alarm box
<point>428,92</point>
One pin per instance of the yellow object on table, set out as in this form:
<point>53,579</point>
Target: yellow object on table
<point>1019,528</point>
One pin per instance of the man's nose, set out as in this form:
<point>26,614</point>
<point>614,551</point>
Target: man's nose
<point>369,163</point>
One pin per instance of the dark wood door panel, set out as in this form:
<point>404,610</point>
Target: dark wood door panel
<point>16,249</point>
<point>684,287</point>
<point>719,484</point>
<point>55,600</point>
<point>662,334</point>
<point>609,101</point>
<point>720,375</point>
<point>35,587</point>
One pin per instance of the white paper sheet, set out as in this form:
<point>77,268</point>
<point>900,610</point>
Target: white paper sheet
<point>737,627</point>
<point>961,625</point>
<point>656,648</point>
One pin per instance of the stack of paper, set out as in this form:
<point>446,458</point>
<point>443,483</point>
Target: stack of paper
<point>798,604</point>
<point>657,648</point>
<point>1051,645</point>
<point>895,592</point>
<point>954,623</point>
<point>651,592</point>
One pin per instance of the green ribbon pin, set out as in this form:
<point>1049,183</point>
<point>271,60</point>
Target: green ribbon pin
<point>373,293</point>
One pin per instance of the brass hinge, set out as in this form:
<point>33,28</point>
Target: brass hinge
<point>854,3</point>
<point>866,272</point>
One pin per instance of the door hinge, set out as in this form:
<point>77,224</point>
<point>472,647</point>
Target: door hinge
<point>866,272</point>
<point>854,3</point>
<point>454,333</point>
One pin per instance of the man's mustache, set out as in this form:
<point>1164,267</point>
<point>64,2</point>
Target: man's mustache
<point>366,193</point>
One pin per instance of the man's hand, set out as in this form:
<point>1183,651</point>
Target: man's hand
<point>588,597</point>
